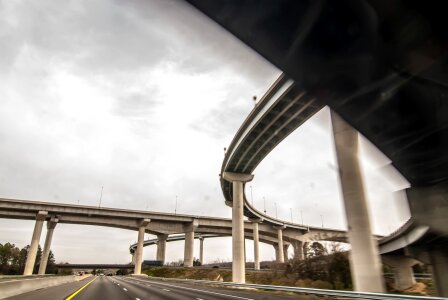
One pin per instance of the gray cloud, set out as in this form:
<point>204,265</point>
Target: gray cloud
<point>140,97</point>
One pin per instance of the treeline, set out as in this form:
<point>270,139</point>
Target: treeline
<point>13,259</point>
<point>325,268</point>
<point>330,267</point>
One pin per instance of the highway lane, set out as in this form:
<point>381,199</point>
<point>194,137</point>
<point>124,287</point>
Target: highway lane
<point>203,292</point>
<point>132,288</point>
<point>56,292</point>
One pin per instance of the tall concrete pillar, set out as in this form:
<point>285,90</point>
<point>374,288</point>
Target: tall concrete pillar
<point>188,250</point>
<point>305,250</point>
<point>402,269</point>
<point>201,250</point>
<point>31,257</point>
<point>285,252</point>
<point>281,253</point>
<point>133,257</point>
<point>139,251</point>
<point>439,265</point>
<point>365,262</point>
<point>277,255</point>
<point>256,243</point>
<point>298,250</point>
<point>238,261</point>
<point>51,224</point>
<point>161,247</point>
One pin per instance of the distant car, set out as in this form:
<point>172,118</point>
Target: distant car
<point>101,274</point>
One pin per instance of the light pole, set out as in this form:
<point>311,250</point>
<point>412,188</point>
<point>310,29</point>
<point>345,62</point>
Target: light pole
<point>101,196</point>
<point>322,219</point>
<point>175,207</point>
<point>264,201</point>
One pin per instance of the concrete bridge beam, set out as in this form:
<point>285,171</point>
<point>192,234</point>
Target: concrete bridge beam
<point>139,251</point>
<point>161,247</point>
<point>51,225</point>
<point>31,257</point>
<point>365,262</point>
<point>238,255</point>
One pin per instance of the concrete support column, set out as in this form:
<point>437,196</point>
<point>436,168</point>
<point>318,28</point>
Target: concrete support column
<point>365,261</point>
<point>281,254</point>
<point>31,257</point>
<point>305,250</point>
<point>201,250</point>
<point>139,251</point>
<point>439,265</point>
<point>238,261</point>
<point>161,247</point>
<point>133,257</point>
<point>188,250</point>
<point>298,250</point>
<point>51,224</point>
<point>277,255</point>
<point>256,245</point>
<point>285,252</point>
<point>402,268</point>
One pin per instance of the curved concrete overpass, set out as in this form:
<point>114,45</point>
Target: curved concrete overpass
<point>389,86</point>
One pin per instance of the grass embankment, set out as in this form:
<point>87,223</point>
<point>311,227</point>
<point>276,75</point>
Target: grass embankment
<point>273,278</point>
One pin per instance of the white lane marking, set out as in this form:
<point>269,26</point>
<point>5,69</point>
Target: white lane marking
<point>125,290</point>
<point>118,284</point>
<point>166,290</point>
<point>199,299</point>
<point>203,291</point>
<point>137,298</point>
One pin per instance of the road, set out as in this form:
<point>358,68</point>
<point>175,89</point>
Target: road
<point>131,288</point>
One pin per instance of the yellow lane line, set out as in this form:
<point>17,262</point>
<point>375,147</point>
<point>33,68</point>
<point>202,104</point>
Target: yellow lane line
<point>78,291</point>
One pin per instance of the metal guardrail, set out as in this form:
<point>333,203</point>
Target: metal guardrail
<point>308,291</point>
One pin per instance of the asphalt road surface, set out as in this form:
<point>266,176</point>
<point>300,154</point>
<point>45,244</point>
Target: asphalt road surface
<point>130,288</point>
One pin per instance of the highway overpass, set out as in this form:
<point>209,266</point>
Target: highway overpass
<point>391,87</point>
<point>160,224</point>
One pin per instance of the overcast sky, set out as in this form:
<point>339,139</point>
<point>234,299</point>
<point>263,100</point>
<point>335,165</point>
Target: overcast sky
<point>141,97</point>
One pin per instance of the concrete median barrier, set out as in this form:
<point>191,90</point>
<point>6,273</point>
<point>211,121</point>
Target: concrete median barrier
<point>9,288</point>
